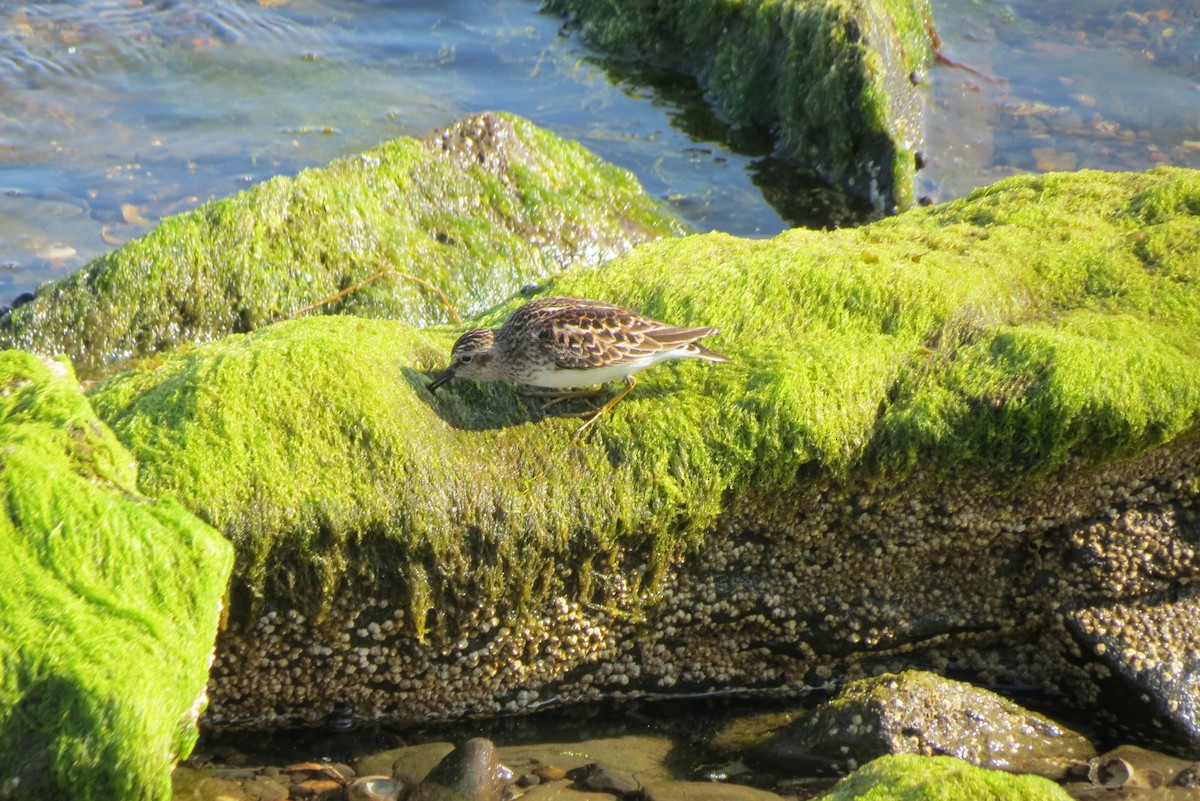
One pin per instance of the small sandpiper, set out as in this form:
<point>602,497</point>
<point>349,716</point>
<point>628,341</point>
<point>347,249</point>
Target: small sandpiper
<point>563,343</point>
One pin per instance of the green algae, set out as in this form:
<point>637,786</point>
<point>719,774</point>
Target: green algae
<point>831,77</point>
<point>1013,332</point>
<point>109,603</point>
<point>476,211</point>
<point>905,777</point>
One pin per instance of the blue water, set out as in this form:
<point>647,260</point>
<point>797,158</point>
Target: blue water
<point>1095,84</point>
<point>116,113</point>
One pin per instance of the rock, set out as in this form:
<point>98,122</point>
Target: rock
<point>316,770</point>
<point>633,766</point>
<point>921,713</point>
<point>408,764</point>
<point>1132,769</point>
<point>833,80</point>
<point>1151,644</point>
<point>907,776</point>
<point>317,788</point>
<point>110,601</point>
<point>941,436</point>
<point>471,772</point>
<point>262,788</point>
<point>374,788</point>
<point>594,778</point>
<point>461,218</point>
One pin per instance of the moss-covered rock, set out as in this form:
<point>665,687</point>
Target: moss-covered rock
<point>837,79</point>
<point>917,712</point>
<point>109,603</point>
<point>915,778</point>
<point>925,426</point>
<point>462,218</point>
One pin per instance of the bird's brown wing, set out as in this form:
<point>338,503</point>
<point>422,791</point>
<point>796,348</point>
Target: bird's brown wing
<point>586,333</point>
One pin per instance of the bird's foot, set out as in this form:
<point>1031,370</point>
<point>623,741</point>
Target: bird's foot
<point>558,396</point>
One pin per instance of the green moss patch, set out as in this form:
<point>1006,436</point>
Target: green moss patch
<point>832,77</point>
<point>109,603</point>
<point>475,211</point>
<point>1013,332</point>
<point>904,777</point>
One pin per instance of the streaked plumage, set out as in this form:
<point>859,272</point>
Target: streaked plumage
<point>560,343</point>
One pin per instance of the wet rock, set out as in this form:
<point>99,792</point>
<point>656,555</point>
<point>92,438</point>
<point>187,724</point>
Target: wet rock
<point>549,773</point>
<point>471,772</point>
<point>632,767</point>
<point>317,788</point>
<point>594,778</point>
<point>921,713</point>
<point>374,788</point>
<point>1132,773</point>
<point>409,764</point>
<point>209,783</point>
<point>1152,646</point>
<point>317,770</point>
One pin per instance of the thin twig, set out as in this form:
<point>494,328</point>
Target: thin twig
<point>386,271</point>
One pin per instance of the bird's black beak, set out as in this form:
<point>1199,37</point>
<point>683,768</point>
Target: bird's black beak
<point>441,379</point>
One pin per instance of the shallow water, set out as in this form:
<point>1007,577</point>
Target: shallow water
<point>116,113</point>
<point>1082,84</point>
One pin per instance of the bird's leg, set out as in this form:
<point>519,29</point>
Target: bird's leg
<point>630,383</point>
<point>557,396</point>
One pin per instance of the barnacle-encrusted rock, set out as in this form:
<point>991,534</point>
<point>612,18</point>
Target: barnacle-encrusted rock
<point>941,437</point>
<point>836,81</point>
<point>473,212</point>
<point>108,603</point>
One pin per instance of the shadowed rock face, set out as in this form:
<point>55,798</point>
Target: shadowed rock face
<point>966,435</point>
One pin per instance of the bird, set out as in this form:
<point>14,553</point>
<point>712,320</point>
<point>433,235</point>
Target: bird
<point>563,343</point>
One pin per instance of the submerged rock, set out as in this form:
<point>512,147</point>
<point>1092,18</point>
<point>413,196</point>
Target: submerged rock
<point>109,601</point>
<point>941,436</point>
<point>456,222</point>
<point>836,82</point>
<point>471,772</point>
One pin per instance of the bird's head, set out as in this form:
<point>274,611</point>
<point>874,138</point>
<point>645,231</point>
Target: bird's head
<point>471,357</point>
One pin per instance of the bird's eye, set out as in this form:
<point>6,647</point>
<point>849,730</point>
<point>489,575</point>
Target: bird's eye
<point>466,359</point>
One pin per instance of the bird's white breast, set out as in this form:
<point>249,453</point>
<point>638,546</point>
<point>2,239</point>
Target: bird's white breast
<point>562,379</point>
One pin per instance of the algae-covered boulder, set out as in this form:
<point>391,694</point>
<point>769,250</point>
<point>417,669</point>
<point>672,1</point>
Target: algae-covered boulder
<point>109,603</point>
<point>459,219</point>
<point>939,435</point>
<point>905,777</point>
<point>916,712</point>
<point>836,80</point>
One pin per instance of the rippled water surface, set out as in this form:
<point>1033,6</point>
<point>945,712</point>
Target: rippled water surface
<point>118,112</point>
<point>1075,84</point>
